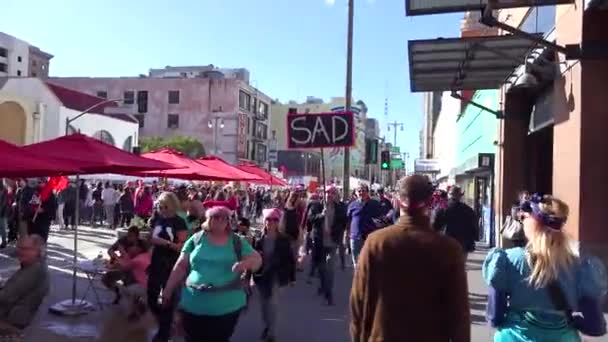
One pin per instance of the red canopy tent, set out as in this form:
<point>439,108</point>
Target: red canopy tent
<point>191,169</point>
<point>267,178</point>
<point>17,163</point>
<point>234,172</point>
<point>94,156</point>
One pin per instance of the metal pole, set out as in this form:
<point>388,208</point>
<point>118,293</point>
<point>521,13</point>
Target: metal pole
<point>349,91</point>
<point>76,219</point>
<point>323,176</point>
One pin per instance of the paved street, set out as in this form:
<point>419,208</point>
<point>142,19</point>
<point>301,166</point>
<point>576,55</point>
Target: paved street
<point>303,317</point>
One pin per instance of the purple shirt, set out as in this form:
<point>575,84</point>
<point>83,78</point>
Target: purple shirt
<point>361,214</point>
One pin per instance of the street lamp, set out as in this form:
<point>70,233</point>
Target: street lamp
<point>215,123</point>
<point>68,120</point>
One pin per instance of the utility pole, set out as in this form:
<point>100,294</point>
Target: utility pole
<point>349,93</point>
<point>395,125</point>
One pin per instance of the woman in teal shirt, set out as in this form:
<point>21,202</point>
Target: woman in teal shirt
<point>212,297</point>
<point>520,304</point>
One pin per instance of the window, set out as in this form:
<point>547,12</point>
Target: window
<point>539,20</point>
<point>129,97</point>
<point>18,72</point>
<point>34,63</point>
<point>261,130</point>
<point>142,101</point>
<point>173,96</point>
<point>34,74</point>
<point>263,109</point>
<point>103,94</point>
<point>254,105</point>
<point>244,100</point>
<point>128,144</point>
<point>3,52</point>
<point>104,136</point>
<point>19,59</point>
<point>3,67</point>
<point>260,153</point>
<point>140,118</point>
<point>173,121</point>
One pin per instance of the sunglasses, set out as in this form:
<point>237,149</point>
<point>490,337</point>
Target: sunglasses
<point>272,219</point>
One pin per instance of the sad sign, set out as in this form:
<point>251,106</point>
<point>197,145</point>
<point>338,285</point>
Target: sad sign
<point>320,130</point>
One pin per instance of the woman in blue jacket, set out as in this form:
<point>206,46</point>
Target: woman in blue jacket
<point>534,289</point>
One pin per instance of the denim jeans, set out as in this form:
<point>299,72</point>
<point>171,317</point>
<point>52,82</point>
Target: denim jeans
<point>326,271</point>
<point>356,244</point>
<point>270,309</point>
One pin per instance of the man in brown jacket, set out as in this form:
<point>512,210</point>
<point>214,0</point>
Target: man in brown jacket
<point>410,283</point>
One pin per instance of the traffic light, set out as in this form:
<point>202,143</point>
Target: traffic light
<point>385,160</point>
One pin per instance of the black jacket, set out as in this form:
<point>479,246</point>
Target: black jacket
<point>460,222</point>
<point>316,219</point>
<point>282,266</point>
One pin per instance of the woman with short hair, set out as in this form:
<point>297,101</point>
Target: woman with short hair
<point>210,266</point>
<point>533,288</point>
<point>169,232</point>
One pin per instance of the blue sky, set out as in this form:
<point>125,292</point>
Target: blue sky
<point>293,48</point>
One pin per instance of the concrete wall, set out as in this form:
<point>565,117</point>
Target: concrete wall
<point>91,123</point>
<point>17,49</point>
<point>445,138</point>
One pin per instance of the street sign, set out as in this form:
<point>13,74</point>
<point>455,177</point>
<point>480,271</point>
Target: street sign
<point>272,156</point>
<point>320,130</point>
<point>427,166</point>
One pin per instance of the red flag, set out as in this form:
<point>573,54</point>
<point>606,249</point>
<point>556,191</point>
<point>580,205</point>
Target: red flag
<point>53,184</point>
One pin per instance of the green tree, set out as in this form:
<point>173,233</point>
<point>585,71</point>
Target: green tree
<point>187,145</point>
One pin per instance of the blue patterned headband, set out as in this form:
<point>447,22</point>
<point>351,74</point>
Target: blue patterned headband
<point>532,206</point>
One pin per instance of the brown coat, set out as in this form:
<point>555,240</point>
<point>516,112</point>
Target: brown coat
<point>410,285</point>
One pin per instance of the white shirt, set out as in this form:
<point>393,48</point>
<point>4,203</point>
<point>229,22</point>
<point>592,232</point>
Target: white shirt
<point>108,195</point>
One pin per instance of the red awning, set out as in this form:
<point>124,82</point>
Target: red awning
<point>94,156</point>
<point>191,169</point>
<point>267,178</point>
<point>19,163</point>
<point>234,172</point>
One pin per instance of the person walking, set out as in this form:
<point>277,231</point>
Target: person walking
<point>108,196</point>
<point>534,289</point>
<point>410,283</point>
<point>125,201</point>
<point>4,211</point>
<point>458,221</point>
<point>328,230</point>
<point>69,205</point>
<point>209,271</point>
<point>168,235</point>
<point>292,218</point>
<point>278,270</point>
<point>361,213</point>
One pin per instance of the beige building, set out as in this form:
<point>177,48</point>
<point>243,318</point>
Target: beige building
<point>19,58</point>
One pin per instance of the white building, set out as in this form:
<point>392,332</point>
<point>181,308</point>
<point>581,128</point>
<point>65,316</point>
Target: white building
<point>34,110</point>
<point>19,58</point>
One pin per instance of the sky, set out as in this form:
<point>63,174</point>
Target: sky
<point>292,48</point>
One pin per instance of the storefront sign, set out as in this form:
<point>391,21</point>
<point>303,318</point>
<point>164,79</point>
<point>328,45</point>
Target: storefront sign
<point>427,166</point>
<point>242,136</point>
<point>320,130</point>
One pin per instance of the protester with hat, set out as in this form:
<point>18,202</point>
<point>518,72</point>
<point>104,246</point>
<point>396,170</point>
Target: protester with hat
<point>458,221</point>
<point>278,269</point>
<point>210,266</point>
<point>534,289</point>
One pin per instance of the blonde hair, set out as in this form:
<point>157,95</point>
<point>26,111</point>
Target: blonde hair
<point>169,199</point>
<point>549,250</point>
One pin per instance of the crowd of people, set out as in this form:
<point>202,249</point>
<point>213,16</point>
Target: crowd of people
<point>203,257</point>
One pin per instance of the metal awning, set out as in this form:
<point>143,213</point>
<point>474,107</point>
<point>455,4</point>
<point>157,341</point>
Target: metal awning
<point>421,7</point>
<point>465,63</point>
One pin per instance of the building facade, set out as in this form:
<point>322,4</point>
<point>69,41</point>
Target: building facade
<point>33,110</point>
<point>227,115</point>
<point>20,59</point>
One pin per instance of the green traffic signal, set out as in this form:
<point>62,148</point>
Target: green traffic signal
<point>385,166</point>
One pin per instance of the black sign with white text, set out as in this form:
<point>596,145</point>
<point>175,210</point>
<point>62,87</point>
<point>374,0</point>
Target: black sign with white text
<point>320,130</point>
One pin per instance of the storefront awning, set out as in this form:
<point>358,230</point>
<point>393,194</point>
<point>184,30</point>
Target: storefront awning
<point>468,63</point>
<point>421,7</point>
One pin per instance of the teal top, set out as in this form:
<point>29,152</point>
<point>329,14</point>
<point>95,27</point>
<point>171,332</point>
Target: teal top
<point>507,271</point>
<point>212,264</point>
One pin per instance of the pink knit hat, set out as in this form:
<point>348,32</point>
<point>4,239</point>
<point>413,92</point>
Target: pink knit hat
<point>273,213</point>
